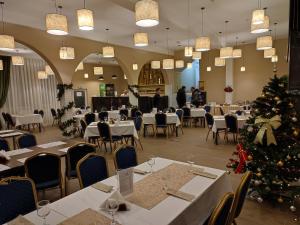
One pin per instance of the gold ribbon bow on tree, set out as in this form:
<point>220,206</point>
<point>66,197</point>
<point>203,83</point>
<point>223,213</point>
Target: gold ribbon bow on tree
<point>267,126</point>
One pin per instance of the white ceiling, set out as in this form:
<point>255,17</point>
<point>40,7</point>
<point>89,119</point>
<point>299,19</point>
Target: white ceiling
<point>118,15</point>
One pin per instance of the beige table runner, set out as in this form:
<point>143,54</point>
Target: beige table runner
<point>87,217</point>
<point>20,220</point>
<point>149,191</point>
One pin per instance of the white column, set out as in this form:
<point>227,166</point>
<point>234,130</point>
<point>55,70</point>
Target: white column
<point>229,80</point>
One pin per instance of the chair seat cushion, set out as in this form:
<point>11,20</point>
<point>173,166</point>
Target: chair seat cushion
<point>47,184</point>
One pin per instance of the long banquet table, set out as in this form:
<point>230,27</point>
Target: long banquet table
<point>27,119</point>
<point>171,211</point>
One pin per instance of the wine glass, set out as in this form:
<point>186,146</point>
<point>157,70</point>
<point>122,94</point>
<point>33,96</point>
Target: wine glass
<point>43,209</point>
<point>112,206</point>
<point>151,163</point>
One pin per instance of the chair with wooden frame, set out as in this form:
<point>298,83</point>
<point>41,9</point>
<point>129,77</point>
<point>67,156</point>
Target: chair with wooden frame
<point>26,141</point>
<point>125,157</point>
<point>105,136</point>
<point>179,113</point>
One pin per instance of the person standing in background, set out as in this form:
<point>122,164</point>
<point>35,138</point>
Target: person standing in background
<point>181,97</point>
<point>156,98</point>
<point>195,97</point>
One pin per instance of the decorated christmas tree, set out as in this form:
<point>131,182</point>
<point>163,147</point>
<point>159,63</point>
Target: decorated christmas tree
<point>270,147</point>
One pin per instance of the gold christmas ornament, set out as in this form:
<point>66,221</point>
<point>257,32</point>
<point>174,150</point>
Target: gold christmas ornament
<point>277,98</point>
<point>250,158</point>
<point>280,163</point>
<point>296,133</point>
<point>259,174</point>
<point>280,200</point>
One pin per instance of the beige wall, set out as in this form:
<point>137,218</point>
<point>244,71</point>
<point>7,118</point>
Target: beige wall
<point>92,83</point>
<point>247,85</point>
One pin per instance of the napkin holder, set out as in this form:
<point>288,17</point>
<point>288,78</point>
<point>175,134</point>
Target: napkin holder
<point>123,204</point>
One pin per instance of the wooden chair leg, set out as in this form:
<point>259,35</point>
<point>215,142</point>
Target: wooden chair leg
<point>66,186</point>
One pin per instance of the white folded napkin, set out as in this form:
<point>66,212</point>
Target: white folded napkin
<point>3,154</point>
<point>117,196</point>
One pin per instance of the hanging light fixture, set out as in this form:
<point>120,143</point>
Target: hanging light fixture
<point>114,77</point>
<point>80,66</point>
<point>243,68</point>
<point>98,70</point>
<point>48,70</point>
<point>7,42</point>
<point>208,69</point>
<point>168,64</point>
<point>237,53</point>
<point>274,57</point>
<point>101,78</point>
<point>85,18</point>
<point>219,61</point>
<point>261,28</point>
<point>226,52</point>
<point>17,60</point>
<point>155,65</point>
<point>258,15</point>
<point>179,64</point>
<point>42,75</point>
<point>202,43</point>
<point>189,65</point>
<point>268,53</point>
<point>263,43</point>
<point>56,23</point>
<point>135,66</point>
<point>1,64</point>
<point>197,55</point>
<point>66,53</point>
<point>108,51</point>
<point>86,75</point>
<point>146,13</point>
<point>188,50</point>
<point>140,39</point>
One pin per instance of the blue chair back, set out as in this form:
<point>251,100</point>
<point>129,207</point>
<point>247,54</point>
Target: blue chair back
<point>89,118</point>
<point>231,123</point>
<point>209,119</point>
<point>103,115</point>
<point>27,141</point>
<point>160,119</point>
<point>133,112</point>
<point>91,169</point>
<point>207,108</point>
<point>4,145</point>
<point>104,130</point>
<point>172,110</point>
<point>138,113</point>
<point>124,112</point>
<point>138,121</point>
<point>44,169</point>
<point>179,113</point>
<point>239,112</point>
<point>18,197</point>
<point>74,154</point>
<point>125,157</point>
<point>186,112</point>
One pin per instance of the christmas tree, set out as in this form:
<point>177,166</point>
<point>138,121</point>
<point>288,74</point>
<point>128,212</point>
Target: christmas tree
<point>269,145</point>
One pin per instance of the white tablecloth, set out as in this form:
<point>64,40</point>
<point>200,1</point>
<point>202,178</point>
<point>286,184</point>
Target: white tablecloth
<point>27,119</point>
<point>172,118</point>
<point>123,128</point>
<point>219,122</point>
<point>171,211</point>
<point>198,113</point>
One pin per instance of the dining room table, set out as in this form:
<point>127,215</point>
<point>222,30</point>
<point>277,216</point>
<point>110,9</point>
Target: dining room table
<point>27,120</point>
<point>13,134</point>
<point>150,203</point>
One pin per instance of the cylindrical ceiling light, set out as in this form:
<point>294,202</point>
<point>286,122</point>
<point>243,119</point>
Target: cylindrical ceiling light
<point>243,68</point>
<point>268,53</point>
<point>179,64</point>
<point>264,43</point>
<point>226,53</point>
<point>42,75</point>
<point>219,61</point>
<point>168,64</point>
<point>202,43</point>
<point>48,70</point>
<point>155,65</point>
<point>7,42</point>
<point>189,65</point>
<point>258,16</point>
<point>261,28</point>
<point>274,58</point>
<point>67,53</point>
<point>98,70</point>
<point>1,64</point>
<point>188,51</point>
<point>237,53</point>
<point>146,13</point>
<point>80,66</point>
<point>108,52</point>
<point>86,75</point>
<point>140,39</point>
<point>197,55</point>
<point>57,24</point>
<point>208,69</point>
<point>114,77</point>
<point>135,66</point>
<point>17,60</point>
<point>85,18</point>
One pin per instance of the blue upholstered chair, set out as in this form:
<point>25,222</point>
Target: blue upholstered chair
<point>27,141</point>
<point>161,122</point>
<point>221,213</point>
<point>103,116</point>
<point>125,157</point>
<point>106,137</point>
<point>124,113</point>
<point>91,169</point>
<point>45,171</point>
<point>138,113</point>
<point>18,197</point>
<point>89,118</point>
<point>231,127</point>
<point>74,154</point>
<point>133,112</point>
<point>207,108</point>
<point>179,113</point>
<point>138,122</point>
<point>4,145</point>
<point>210,122</point>
<point>187,119</point>
<point>239,112</point>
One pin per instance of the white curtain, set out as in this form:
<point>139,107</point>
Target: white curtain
<point>27,93</point>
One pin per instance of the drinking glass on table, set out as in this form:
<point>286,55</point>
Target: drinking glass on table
<point>151,163</point>
<point>43,210</point>
<point>112,206</point>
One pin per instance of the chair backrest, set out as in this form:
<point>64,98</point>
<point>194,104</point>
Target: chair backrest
<point>172,110</point>
<point>186,112</point>
<point>103,115</point>
<point>41,112</point>
<point>209,119</point>
<point>240,196</point>
<point>83,125</point>
<point>43,167</point>
<point>18,197</point>
<point>138,113</point>
<point>4,145</point>
<point>74,154</point>
<point>36,111</point>
<point>124,112</point>
<point>179,113</point>
<point>9,119</point>
<point>133,111</point>
<point>239,112</point>
<point>104,130</point>
<point>91,169</point>
<point>221,213</point>
<point>161,119</point>
<point>89,118</point>
<point>231,123</point>
<point>53,112</point>
<point>165,110</point>
<point>27,141</point>
<point>125,157</point>
<point>207,108</point>
<point>222,111</point>
<point>138,121</point>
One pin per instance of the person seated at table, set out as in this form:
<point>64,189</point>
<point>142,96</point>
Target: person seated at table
<point>181,97</point>
<point>156,98</point>
<point>125,93</point>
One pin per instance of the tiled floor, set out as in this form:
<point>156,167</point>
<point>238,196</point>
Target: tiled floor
<point>191,146</point>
